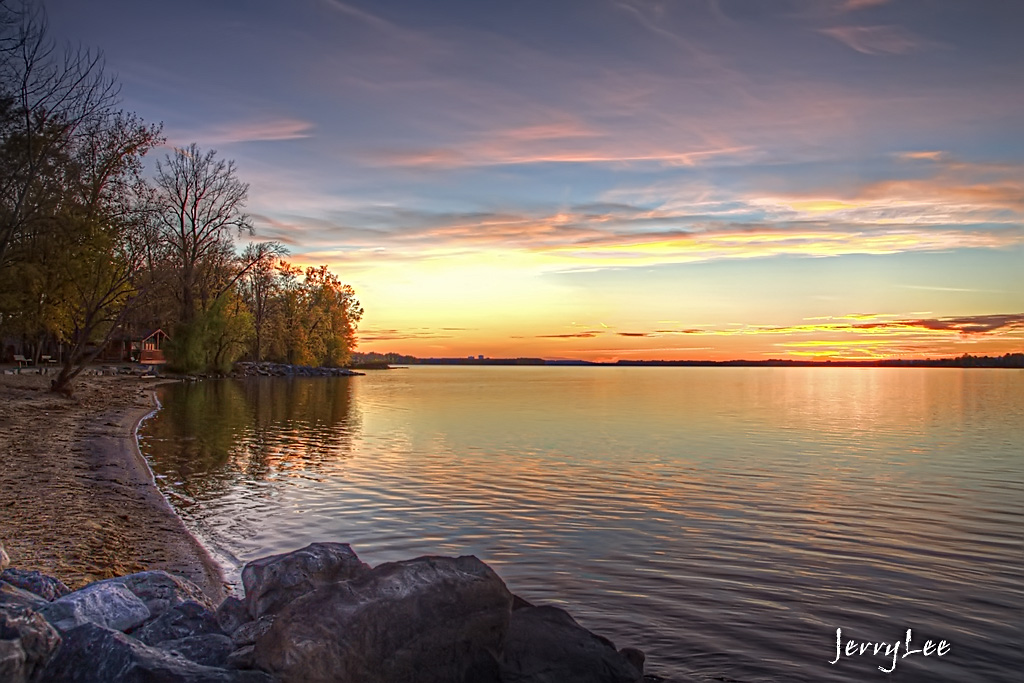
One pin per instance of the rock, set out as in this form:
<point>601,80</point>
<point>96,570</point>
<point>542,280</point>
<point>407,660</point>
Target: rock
<point>12,661</point>
<point>546,645</point>
<point>12,595</point>
<point>520,603</point>
<point>27,643</point>
<point>430,620</point>
<point>242,658</point>
<point>180,621</point>
<point>160,591</point>
<point>94,654</point>
<point>42,585</point>
<point>231,614</point>
<point>211,649</point>
<point>271,582</point>
<point>5,559</point>
<point>102,603</point>
<point>247,633</point>
<point>635,657</point>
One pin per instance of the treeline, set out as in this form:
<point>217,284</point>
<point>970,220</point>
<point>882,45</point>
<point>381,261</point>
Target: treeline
<point>93,249</point>
<point>374,358</point>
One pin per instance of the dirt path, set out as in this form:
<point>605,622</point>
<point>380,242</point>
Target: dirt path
<point>76,499</point>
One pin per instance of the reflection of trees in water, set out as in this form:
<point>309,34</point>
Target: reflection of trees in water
<point>210,436</point>
<point>299,425</point>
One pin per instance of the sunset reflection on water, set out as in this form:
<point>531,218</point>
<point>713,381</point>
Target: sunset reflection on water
<point>726,520</point>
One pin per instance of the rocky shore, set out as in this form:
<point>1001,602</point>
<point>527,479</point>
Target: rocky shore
<point>246,369</point>
<point>314,615</point>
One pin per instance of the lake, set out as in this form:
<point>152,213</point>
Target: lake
<point>724,520</point>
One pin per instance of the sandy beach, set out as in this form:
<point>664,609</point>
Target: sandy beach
<point>77,500</point>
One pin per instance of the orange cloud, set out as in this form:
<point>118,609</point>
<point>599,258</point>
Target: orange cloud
<point>762,241</point>
<point>963,326</point>
<point>955,193</point>
<point>932,155</point>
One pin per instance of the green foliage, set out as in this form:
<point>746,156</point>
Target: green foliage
<point>213,340</point>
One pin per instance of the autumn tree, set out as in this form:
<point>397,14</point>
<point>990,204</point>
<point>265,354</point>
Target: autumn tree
<point>261,289</point>
<point>99,238</point>
<point>70,165</point>
<point>332,315</point>
<point>315,317</point>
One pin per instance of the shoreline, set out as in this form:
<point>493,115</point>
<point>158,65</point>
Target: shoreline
<point>209,572</point>
<point>80,501</point>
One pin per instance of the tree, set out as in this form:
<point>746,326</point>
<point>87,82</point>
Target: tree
<point>99,235</point>
<point>48,102</point>
<point>315,318</point>
<point>69,179</point>
<point>332,315</point>
<point>197,209</point>
<point>261,289</point>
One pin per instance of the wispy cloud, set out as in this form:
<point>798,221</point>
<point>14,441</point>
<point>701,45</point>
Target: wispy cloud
<point>928,155</point>
<point>958,325</point>
<point>373,335</point>
<point>854,5</point>
<point>875,40</point>
<point>572,335</point>
<point>619,235</point>
<point>853,336</point>
<point>266,130</point>
<point>551,144</point>
<point>928,288</point>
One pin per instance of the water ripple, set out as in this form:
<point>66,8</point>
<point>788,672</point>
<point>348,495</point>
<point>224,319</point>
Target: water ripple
<point>727,521</point>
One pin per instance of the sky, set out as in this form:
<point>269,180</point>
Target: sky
<point>614,179</point>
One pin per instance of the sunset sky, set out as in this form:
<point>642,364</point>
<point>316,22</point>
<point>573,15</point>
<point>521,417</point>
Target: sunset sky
<point>615,179</point>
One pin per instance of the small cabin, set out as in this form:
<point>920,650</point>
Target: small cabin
<point>146,348</point>
<point>150,348</point>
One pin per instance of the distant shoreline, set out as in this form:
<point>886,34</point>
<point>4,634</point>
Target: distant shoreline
<point>1015,360</point>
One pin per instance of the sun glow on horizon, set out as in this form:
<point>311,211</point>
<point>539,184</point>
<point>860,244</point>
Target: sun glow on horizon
<point>485,177</point>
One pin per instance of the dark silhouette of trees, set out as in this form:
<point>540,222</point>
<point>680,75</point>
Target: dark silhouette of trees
<point>49,102</point>
<point>70,164</point>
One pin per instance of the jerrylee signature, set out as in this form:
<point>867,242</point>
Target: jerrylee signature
<point>853,648</point>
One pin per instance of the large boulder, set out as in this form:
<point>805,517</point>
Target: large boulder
<point>428,620</point>
<point>242,658</point>
<point>546,645</point>
<point>102,603</point>
<point>247,633</point>
<point>27,642</point>
<point>93,654</point>
<point>231,614</point>
<point>180,621</point>
<point>211,649</point>
<point>36,582</point>
<point>272,582</point>
<point>160,591</point>
<point>13,595</point>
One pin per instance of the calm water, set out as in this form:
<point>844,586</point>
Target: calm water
<point>725,520</point>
